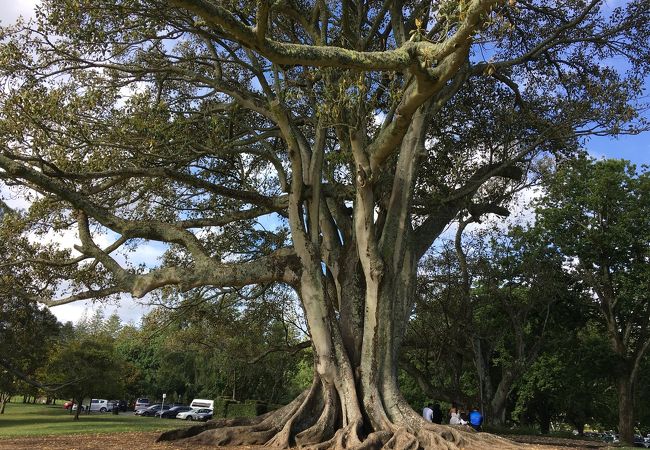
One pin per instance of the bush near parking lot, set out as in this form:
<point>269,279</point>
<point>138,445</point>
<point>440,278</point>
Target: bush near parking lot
<point>225,407</point>
<point>220,407</point>
<point>251,408</point>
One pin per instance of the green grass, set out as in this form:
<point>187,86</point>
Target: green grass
<point>37,420</point>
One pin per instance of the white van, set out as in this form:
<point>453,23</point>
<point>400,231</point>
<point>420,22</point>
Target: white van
<point>199,403</point>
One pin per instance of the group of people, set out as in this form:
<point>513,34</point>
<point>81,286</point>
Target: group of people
<point>433,413</point>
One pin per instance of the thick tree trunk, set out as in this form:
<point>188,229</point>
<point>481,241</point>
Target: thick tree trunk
<point>4,398</point>
<point>79,406</point>
<point>498,401</point>
<point>545,422</point>
<point>348,406</point>
<point>625,409</point>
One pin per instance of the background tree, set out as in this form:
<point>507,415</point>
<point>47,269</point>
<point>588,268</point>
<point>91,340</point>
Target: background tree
<point>596,213</point>
<point>247,343</point>
<point>210,343</point>
<point>572,378</point>
<point>518,283</point>
<point>27,332</point>
<point>86,366</point>
<point>437,354</point>
<point>320,146</point>
<point>138,350</point>
<point>642,411</point>
<point>494,298</point>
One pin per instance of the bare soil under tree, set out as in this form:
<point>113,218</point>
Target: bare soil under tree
<point>146,441</point>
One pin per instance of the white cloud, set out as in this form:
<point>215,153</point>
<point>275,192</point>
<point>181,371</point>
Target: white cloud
<point>12,9</point>
<point>521,213</point>
<point>13,197</point>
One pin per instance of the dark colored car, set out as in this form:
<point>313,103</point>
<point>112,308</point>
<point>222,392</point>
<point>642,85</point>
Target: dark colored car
<point>171,412</point>
<point>640,441</point>
<point>155,407</point>
<point>152,410</point>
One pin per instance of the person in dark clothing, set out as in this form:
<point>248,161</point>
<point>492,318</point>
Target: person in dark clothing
<point>436,417</point>
<point>476,419</point>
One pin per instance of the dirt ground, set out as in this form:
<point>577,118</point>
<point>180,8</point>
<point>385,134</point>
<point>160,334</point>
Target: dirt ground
<point>117,441</point>
<point>145,441</point>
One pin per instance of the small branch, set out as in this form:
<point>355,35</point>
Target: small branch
<point>86,295</point>
<point>291,350</point>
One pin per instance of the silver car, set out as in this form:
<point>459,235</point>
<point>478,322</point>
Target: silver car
<point>141,403</point>
<point>203,414</point>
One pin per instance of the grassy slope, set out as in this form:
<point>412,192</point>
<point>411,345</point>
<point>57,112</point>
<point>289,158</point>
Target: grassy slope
<point>33,420</point>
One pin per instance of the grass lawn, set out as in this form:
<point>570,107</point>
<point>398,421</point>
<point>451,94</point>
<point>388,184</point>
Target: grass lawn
<point>36,420</point>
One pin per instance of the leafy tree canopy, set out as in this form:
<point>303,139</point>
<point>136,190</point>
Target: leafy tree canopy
<point>596,213</point>
<point>317,144</point>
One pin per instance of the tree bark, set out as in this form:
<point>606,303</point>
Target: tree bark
<point>625,409</point>
<point>545,423</point>
<point>4,398</point>
<point>79,406</point>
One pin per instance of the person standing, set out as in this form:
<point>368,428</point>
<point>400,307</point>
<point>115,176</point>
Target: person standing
<point>436,414</point>
<point>476,419</point>
<point>427,413</point>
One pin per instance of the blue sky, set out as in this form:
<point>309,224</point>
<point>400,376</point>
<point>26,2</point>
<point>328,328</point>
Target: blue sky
<point>635,148</point>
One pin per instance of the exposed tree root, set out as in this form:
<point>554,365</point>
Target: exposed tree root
<point>265,430</point>
<point>315,421</point>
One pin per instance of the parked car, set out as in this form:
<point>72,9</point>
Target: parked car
<point>69,404</point>
<point>120,404</point>
<point>138,412</point>
<point>203,414</point>
<point>172,412</point>
<point>610,436</point>
<point>96,404</point>
<point>640,441</point>
<point>152,410</point>
<point>141,403</point>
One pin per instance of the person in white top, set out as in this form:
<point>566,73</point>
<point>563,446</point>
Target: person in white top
<point>427,413</point>
<point>456,420</point>
<point>454,417</point>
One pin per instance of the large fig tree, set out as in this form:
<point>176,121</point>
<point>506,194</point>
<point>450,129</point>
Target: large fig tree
<point>323,145</point>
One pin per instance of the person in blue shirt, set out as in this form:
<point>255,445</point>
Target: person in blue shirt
<point>476,419</point>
